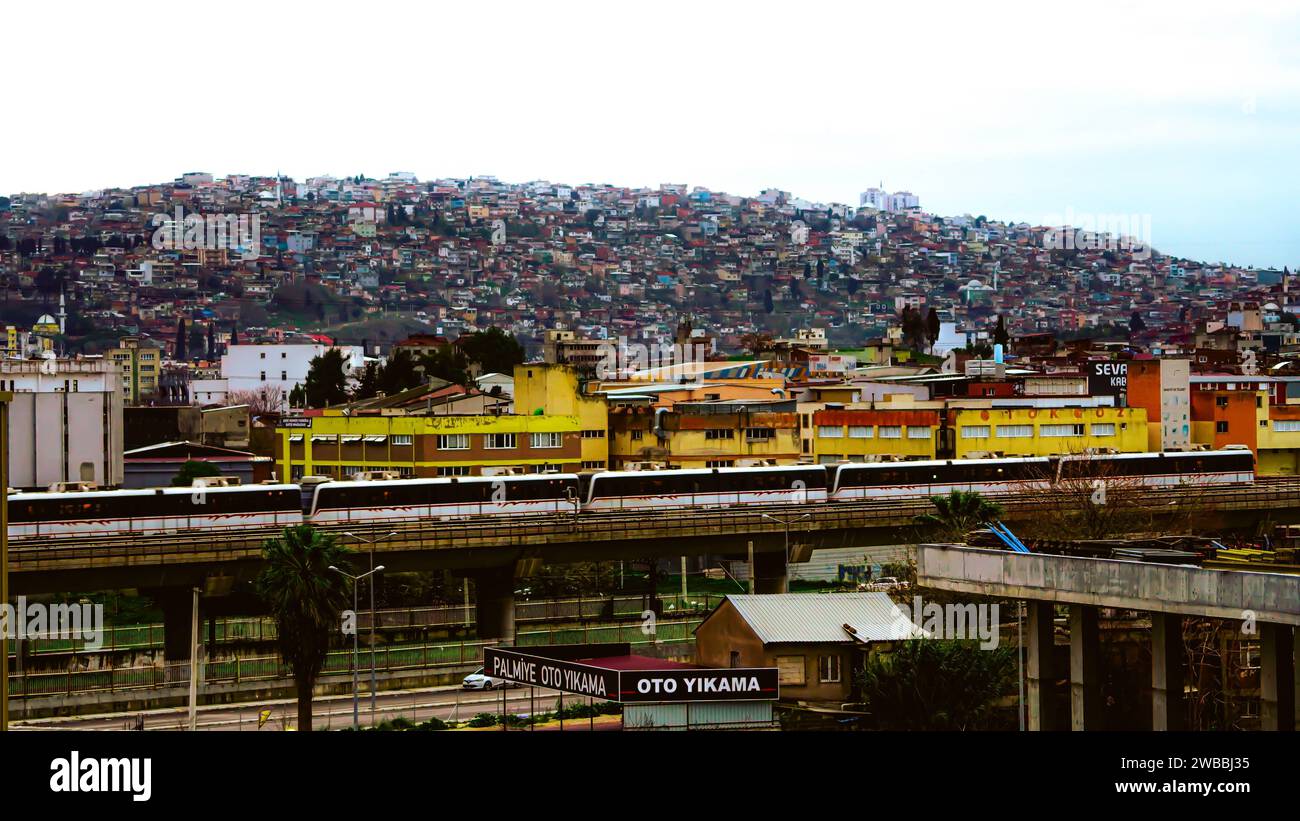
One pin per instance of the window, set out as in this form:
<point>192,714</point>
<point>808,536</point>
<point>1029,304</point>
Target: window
<point>593,465</point>
<point>1015,431</point>
<point>975,432</point>
<point>717,463</point>
<point>759,434</point>
<point>1220,427</point>
<point>891,432</point>
<point>1104,429</point>
<point>790,670</point>
<point>637,434</point>
<point>263,376</point>
<point>829,459</point>
<point>453,441</point>
<point>719,433</point>
<point>454,470</point>
<point>914,432</point>
<point>1286,425</point>
<point>861,431</point>
<point>830,431</point>
<point>261,355</point>
<point>546,440</point>
<point>499,441</point>
<point>403,439</point>
<point>828,669</point>
<point>284,376</point>
<point>1221,401</point>
<point>593,434</point>
<point>1060,430</point>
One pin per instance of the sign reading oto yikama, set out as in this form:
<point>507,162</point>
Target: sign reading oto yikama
<point>742,684</point>
<point>746,684</point>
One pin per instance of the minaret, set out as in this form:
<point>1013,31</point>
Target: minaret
<point>63,313</point>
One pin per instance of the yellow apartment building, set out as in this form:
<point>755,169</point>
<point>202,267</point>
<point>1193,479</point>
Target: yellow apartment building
<point>1034,431</point>
<point>705,435</point>
<point>141,366</point>
<point>556,390</point>
<point>425,446</point>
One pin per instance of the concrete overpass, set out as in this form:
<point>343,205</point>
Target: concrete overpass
<point>1167,592</point>
<point>496,552</point>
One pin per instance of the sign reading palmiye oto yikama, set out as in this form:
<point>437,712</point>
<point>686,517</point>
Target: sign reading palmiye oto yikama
<point>683,684</point>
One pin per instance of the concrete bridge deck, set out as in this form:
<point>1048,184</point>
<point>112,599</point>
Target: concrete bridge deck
<point>1268,603</point>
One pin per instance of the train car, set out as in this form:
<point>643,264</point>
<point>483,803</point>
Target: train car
<point>704,488</point>
<point>1168,469</point>
<point>154,510</point>
<point>923,479</point>
<point>448,498</point>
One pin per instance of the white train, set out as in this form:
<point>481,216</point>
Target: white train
<point>214,509</point>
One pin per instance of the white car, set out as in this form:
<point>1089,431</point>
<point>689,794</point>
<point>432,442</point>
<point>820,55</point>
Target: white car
<point>477,681</point>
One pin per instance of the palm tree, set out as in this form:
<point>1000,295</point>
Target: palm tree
<point>305,598</point>
<point>958,513</point>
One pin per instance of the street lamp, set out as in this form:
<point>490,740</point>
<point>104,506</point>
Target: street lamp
<point>355,651</point>
<point>372,543</point>
<point>786,524</point>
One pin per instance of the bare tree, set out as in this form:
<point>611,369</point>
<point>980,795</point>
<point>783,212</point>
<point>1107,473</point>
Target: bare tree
<point>260,401</point>
<point>1091,499</point>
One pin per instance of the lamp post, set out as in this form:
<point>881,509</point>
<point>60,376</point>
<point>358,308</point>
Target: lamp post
<point>372,543</point>
<point>786,524</point>
<point>355,651</point>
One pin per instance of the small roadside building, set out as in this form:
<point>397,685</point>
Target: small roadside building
<point>156,465</point>
<point>816,641</point>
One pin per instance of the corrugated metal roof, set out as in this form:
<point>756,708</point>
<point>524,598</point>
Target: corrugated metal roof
<point>821,617</point>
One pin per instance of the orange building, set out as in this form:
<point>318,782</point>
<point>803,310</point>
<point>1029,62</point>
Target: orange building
<point>1227,417</point>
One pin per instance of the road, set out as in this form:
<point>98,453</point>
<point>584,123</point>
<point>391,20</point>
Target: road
<point>330,712</point>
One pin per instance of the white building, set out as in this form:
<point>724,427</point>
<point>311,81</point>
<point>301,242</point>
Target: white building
<point>65,421</point>
<point>252,368</point>
<point>880,200</point>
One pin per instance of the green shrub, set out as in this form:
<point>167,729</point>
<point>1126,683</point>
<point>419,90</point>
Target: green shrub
<point>484,720</point>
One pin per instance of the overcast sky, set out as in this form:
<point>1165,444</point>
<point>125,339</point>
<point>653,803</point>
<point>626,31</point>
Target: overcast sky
<point>1186,112</point>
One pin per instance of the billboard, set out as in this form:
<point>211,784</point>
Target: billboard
<point>1107,378</point>
<point>676,684</point>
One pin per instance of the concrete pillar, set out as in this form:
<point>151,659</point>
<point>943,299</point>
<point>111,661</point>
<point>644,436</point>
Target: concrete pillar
<point>494,605</point>
<point>1085,668</point>
<point>1276,677</point>
<point>1040,675</point>
<point>771,574</point>
<point>177,605</point>
<point>1168,657</point>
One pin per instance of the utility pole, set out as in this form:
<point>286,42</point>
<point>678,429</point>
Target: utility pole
<point>194,660</point>
<point>356,653</point>
<point>372,543</point>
